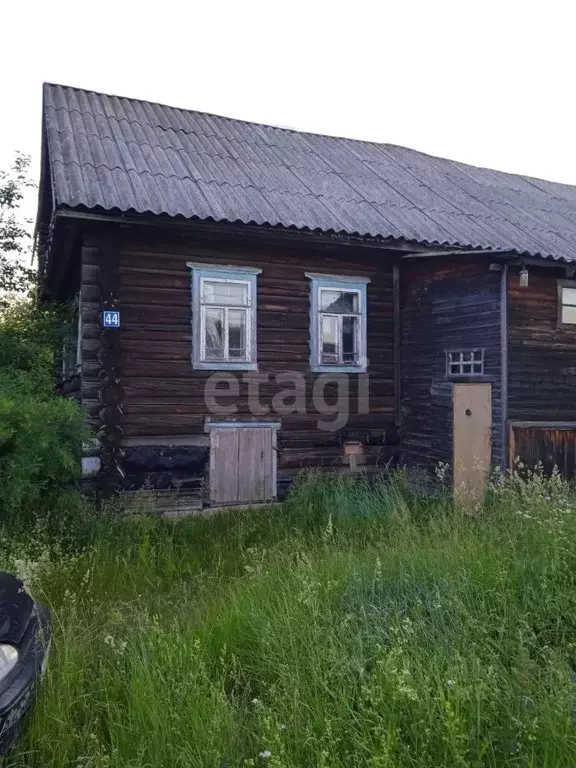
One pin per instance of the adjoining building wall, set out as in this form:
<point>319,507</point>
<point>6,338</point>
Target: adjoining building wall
<point>541,373</point>
<point>541,350</point>
<point>446,306</point>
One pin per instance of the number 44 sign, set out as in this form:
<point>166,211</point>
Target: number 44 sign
<point>111,318</point>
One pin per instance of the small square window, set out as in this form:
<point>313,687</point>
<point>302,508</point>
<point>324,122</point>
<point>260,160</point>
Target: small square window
<point>567,302</point>
<point>465,362</point>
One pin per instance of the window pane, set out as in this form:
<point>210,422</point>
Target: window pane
<point>214,341</point>
<point>569,315</point>
<point>237,334</point>
<point>349,339</point>
<point>228,294</point>
<point>465,362</point>
<point>329,339</point>
<point>569,296</point>
<point>338,301</point>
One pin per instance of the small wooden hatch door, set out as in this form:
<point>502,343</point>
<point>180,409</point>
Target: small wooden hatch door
<point>242,463</point>
<point>472,441</point>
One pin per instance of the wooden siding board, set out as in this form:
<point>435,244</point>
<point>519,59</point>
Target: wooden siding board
<point>550,447</point>
<point>224,452</point>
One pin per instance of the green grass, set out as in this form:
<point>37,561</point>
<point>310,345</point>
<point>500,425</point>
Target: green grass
<point>351,626</point>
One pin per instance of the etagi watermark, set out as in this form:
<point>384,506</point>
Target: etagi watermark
<point>327,396</point>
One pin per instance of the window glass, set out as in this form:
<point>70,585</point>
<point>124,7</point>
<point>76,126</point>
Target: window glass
<point>329,339</point>
<point>237,334</point>
<point>465,362</point>
<point>338,301</point>
<point>349,338</point>
<point>569,314</point>
<point>224,293</point>
<point>214,325</point>
<point>569,296</point>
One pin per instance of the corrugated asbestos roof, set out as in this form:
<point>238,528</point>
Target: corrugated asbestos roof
<point>114,153</point>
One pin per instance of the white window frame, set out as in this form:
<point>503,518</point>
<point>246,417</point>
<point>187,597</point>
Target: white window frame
<point>319,283</point>
<point>202,273</point>
<point>456,357</point>
<point>561,304</point>
<point>226,309</point>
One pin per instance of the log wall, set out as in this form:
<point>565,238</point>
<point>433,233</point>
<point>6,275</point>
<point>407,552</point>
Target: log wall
<point>163,399</point>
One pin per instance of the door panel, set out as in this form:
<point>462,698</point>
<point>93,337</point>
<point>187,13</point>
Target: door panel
<point>242,465</point>
<point>254,456</point>
<point>223,466</point>
<point>472,440</point>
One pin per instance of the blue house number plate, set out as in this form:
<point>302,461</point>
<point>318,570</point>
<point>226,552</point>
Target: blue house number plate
<point>111,319</point>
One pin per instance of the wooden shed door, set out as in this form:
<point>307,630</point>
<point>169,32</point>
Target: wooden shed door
<point>472,440</point>
<point>242,464</point>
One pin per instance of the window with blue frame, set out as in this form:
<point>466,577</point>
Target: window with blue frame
<point>223,317</point>
<point>337,323</point>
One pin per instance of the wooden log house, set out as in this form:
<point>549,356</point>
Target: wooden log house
<point>254,300</point>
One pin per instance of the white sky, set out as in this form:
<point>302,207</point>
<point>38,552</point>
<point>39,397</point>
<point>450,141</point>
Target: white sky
<point>485,82</point>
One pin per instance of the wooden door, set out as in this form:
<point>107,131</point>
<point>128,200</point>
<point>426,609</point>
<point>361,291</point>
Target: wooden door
<point>472,441</point>
<point>242,464</point>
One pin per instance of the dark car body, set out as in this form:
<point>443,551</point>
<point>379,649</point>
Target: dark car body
<point>25,626</point>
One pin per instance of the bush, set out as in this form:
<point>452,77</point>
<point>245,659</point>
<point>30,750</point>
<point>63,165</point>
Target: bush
<point>40,432</point>
<point>40,442</point>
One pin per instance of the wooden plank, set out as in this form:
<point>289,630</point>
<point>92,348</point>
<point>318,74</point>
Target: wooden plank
<point>224,446</point>
<point>254,451</point>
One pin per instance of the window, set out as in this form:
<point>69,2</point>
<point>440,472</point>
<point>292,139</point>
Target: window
<point>338,323</point>
<point>465,362</point>
<point>567,302</point>
<point>223,317</point>
<point>72,345</point>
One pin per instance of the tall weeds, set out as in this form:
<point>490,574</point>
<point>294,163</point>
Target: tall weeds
<point>355,625</point>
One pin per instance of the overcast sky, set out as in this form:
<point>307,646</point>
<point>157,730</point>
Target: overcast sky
<point>484,82</point>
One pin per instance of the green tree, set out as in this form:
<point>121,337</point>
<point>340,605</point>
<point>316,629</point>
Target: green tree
<point>15,236</point>
<point>40,432</point>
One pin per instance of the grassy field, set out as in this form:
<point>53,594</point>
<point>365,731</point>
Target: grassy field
<point>351,626</point>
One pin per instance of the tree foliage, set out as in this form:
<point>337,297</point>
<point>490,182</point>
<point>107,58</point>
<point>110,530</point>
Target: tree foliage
<point>15,236</point>
<point>40,432</point>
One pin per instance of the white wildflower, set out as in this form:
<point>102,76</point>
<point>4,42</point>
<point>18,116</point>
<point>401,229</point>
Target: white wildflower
<point>265,754</point>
